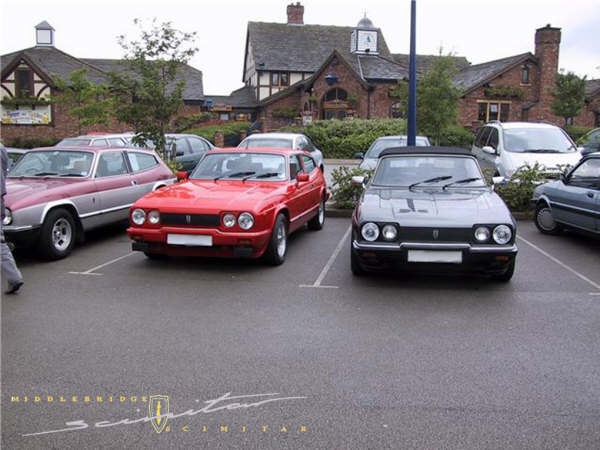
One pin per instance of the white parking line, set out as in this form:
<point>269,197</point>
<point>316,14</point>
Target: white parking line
<point>562,264</point>
<point>323,274</point>
<point>93,269</point>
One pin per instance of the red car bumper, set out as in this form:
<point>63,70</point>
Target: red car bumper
<point>224,244</point>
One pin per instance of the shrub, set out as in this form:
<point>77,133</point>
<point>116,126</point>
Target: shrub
<point>344,194</point>
<point>184,122</point>
<point>577,132</point>
<point>518,191</point>
<point>32,142</point>
<point>227,128</point>
<point>457,136</point>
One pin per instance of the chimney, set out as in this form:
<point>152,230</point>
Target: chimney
<point>295,14</point>
<point>547,45</point>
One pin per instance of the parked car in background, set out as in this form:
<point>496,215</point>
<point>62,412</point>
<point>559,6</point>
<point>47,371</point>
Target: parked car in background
<point>56,194</point>
<point>590,143</point>
<point>15,154</point>
<point>429,209</point>
<point>369,159</point>
<point>293,141</point>
<point>573,201</point>
<point>187,149</point>
<point>94,140</point>
<point>236,203</point>
<point>506,147</point>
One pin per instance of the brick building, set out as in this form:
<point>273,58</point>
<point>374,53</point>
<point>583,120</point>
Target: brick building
<point>27,85</point>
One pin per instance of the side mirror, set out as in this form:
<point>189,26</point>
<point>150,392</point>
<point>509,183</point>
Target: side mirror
<point>489,150</point>
<point>359,155</point>
<point>357,180</point>
<point>302,177</point>
<point>564,177</point>
<point>498,180</point>
<point>182,175</point>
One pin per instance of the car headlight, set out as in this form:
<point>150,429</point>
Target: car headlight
<point>229,220</point>
<point>245,221</point>
<point>389,232</point>
<point>482,234</point>
<point>7,217</point>
<point>370,231</point>
<point>153,217</point>
<point>138,216</point>
<point>502,234</point>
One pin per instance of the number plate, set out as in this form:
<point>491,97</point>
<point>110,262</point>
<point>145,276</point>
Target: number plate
<point>191,240</point>
<point>435,256</point>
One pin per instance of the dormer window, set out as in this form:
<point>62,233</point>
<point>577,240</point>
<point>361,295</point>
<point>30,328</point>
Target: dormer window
<point>44,34</point>
<point>280,79</point>
<point>525,74</point>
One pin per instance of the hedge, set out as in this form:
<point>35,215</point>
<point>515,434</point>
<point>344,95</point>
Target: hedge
<point>32,142</point>
<point>227,128</point>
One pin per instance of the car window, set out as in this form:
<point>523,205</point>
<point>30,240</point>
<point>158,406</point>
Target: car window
<point>485,134</point>
<point>198,145</point>
<point>111,164</point>
<point>295,167</point>
<point>311,145</point>
<point>309,164</point>
<point>74,142</point>
<point>588,170</point>
<point>116,142</point>
<point>141,161</point>
<point>543,140</point>
<point>53,163</point>
<point>182,146</point>
<point>302,144</point>
<point>99,143</point>
<point>239,165</point>
<point>266,142</point>
<point>493,140</point>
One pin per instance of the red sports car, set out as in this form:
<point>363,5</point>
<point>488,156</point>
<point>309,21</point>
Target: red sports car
<point>234,204</point>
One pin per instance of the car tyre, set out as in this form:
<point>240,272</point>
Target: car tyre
<point>277,249</point>
<point>58,234</point>
<point>544,221</point>
<point>506,276</point>
<point>317,222</point>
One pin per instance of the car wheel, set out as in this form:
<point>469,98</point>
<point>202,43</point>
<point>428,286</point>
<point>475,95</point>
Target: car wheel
<point>506,276</point>
<point>277,249</point>
<point>355,266</point>
<point>58,234</point>
<point>544,221</point>
<point>317,222</point>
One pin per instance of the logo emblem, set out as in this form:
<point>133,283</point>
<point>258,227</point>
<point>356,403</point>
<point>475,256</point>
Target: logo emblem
<point>158,406</point>
<point>436,234</point>
<point>188,219</point>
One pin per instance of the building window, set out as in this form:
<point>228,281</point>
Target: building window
<point>280,79</point>
<point>336,94</point>
<point>306,107</point>
<point>569,121</point>
<point>397,111</point>
<point>24,83</point>
<point>493,111</point>
<point>525,75</point>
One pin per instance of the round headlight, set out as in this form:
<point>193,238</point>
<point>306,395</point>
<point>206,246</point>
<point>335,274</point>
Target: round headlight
<point>138,216</point>
<point>482,234</point>
<point>245,221</point>
<point>502,234</point>
<point>229,220</point>
<point>370,231</point>
<point>389,232</point>
<point>153,217</point>
<point>7,217</point>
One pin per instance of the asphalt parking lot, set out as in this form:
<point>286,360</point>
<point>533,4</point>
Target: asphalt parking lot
<point>384,361</point>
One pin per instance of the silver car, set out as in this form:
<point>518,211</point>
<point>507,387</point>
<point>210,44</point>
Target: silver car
<point>369,159</point>
<point>294,141</point>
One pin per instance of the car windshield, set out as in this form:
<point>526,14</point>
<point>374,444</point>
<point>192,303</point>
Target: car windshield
<point>428,171</point>
<point>247,166</point>
<point>59,163</point>
<point>381,144</point>
<point>266,142</point>
<point>74,142</point>
<point>537,140</point>
<point>14,156</point>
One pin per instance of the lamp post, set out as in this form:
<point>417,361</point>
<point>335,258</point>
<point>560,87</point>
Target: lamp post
<point>412,79</point>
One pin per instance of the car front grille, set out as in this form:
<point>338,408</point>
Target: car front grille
<point>194,220</point>
<point>419,234</point>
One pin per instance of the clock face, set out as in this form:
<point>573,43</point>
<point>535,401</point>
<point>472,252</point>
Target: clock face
<point>367,40</point>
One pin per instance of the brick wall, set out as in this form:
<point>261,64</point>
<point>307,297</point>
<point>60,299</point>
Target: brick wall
<point>270,123</point>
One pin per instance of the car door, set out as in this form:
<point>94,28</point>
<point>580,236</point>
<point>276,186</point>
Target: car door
<point>141,165</point>
<point>198,148</point>
<point>298,192</point>
<point>480,142</point>
<point>490,160</point>
<point>577,202</point>
<point>115,186</point>
<point>184,155</point>
<point>314,195</point>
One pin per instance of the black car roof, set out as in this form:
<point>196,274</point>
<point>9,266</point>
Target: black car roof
<point>425,151</point>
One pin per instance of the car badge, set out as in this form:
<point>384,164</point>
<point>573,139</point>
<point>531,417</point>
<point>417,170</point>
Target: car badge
<point>158,410</point>
<point>436,234</point>
<point>188,219</point>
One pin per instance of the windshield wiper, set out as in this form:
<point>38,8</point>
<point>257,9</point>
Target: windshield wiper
<point>465,180</point>
<point>236,174</point>
<point>266,175</point>
<point>541,150</point>
<point>71,175</point>
<point>43,174</point>
<point>431,180</point>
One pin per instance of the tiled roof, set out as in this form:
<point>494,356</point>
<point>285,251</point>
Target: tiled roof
<point>425,62</point>
<point>300,48</point>
<point>374,67</point>
<point>51,60</point>
<point>243,97</point>
<point>475,75</point>
<point>592,87</point>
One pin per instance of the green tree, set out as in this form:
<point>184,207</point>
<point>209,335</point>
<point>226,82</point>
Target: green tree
<point>149,91</point>
<point>85,100</point>
<point>569,95</point>
<point>400,95</point>
<point>437,99</point>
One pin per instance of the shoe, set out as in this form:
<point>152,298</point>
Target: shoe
<point>13,288</point>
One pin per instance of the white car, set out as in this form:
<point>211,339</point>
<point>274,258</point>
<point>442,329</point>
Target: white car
<point>294,141</point>
<point>95,140</point>
<point>506,147</point>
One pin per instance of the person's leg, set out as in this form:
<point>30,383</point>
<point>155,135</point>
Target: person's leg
<point>10,272</point>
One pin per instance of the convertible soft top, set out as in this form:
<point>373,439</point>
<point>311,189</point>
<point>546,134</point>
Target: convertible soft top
<point>425,151</point>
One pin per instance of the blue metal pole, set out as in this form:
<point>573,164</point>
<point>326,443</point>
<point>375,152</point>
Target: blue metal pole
<point>412,79</point>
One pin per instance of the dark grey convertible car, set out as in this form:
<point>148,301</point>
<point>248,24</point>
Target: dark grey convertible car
<point>573,201</point>
<point>429,209</point>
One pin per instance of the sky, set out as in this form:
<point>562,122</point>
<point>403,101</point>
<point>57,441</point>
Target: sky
<point>480,30</point>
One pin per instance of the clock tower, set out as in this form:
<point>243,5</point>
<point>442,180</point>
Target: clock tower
<point>364,37</point>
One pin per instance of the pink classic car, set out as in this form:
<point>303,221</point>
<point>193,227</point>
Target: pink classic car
<point>56,194</point>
